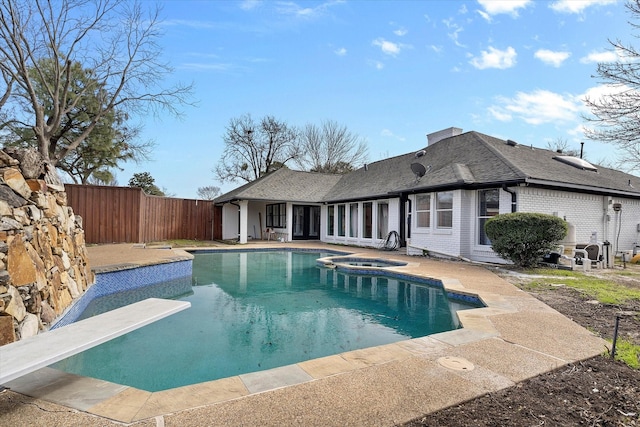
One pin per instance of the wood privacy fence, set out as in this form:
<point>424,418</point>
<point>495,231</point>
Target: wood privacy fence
<point>128,215</point>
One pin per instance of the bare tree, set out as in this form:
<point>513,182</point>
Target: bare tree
<point>209,192</point>
<point>616,115</point>
<point>254,149</point>
<point>115,39</point>
<point>330,148</point>
<point>561,145</point>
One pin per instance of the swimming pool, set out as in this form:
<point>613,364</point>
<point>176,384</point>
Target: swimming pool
<point>259,310</point>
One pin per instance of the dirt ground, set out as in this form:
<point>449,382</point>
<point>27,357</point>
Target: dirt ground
<point>595,392</point>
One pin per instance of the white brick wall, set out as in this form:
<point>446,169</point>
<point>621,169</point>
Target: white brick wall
<point>447,241</point>
<point>585,211</point>
<point>588,213</point>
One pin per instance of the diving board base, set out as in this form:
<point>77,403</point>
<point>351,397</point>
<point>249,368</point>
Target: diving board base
<point>25,356</point>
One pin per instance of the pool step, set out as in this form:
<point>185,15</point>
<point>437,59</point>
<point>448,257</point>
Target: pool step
<point>22,357</point>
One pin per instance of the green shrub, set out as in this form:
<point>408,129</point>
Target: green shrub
<point>524,238</point>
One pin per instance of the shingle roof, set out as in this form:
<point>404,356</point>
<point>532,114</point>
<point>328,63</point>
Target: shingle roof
<point>284,185</point>
<point>468,160</point>
<point>473,160</point>
<point>539,165</point>
<point>453,162</point>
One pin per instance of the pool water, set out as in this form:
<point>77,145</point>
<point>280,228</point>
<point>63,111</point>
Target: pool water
<point>252,311</point>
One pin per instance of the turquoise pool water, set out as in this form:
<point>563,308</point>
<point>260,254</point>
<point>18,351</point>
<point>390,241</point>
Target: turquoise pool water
<point>259,310</point>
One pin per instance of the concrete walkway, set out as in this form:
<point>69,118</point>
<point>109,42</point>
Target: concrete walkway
<point>514,338</point>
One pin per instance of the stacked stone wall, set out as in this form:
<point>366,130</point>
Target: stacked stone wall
<point>43,258</point>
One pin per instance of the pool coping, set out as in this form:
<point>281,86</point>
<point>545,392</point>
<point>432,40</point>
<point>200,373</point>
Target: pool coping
<point>513,338</point>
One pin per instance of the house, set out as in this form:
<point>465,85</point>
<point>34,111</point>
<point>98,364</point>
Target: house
<point>438,198</point>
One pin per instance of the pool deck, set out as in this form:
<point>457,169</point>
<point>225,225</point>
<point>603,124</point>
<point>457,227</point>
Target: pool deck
<point>514,338</point>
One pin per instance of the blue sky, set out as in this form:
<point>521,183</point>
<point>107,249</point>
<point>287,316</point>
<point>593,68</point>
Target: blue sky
<point>391,71</point>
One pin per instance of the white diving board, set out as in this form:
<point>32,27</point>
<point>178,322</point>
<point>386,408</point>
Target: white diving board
<point>22,357</point>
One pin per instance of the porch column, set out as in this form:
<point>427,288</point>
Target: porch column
<point>244,214</point>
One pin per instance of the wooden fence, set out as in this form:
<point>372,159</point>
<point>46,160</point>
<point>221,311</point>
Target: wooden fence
<point>128,215</point>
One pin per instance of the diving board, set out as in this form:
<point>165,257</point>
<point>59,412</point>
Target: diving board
<point>25,356</point>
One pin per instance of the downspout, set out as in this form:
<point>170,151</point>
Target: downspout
<point>403,231</point>
<point>409,218</point>
<point>514,197</point>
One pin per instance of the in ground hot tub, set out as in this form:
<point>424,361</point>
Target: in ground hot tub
<point>354,263</point>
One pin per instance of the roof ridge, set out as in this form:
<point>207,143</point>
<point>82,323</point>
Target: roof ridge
<point>481,137</point>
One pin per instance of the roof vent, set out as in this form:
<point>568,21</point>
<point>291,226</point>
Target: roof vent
<point>576,162</point>
<point>511,142</point>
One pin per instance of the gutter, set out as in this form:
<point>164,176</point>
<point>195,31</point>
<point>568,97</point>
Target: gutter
<point>583,188</point>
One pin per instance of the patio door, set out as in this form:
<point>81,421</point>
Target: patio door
<point>306,222</point>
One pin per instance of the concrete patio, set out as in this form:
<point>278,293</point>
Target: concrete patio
<point>514,338</point>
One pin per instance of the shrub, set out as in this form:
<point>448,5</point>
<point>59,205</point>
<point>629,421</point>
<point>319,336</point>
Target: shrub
<point>524,238</point>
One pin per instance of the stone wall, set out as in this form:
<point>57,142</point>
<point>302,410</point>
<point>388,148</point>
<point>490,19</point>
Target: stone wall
<point>43,258</point>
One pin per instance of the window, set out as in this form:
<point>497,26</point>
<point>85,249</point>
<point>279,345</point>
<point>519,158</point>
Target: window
<point>488,206</point>
<point>367,219</point>
<point>444,209</point>
<point>353,220</point>
<point>383,220</point>
<point>423,210</point>
<point>314,221</point>
<point>341,220</point>
<point>330,220</point>
<point>277,215</point>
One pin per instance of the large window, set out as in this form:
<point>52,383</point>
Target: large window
<point>367,220</point>
<point>277,215</point>
<point>383,220</point>
<point>444,209</point>
<point>423,210</point>
<point>341,220</point>
<point>353,220</point>
<point>488,206</point>
<point>330,220</point>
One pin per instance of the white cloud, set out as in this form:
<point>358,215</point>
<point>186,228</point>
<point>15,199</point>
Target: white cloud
<point>387,47</point>
<point>401,32</point>
<point>387,133</point>
<point>577,6</point>
<point>494,58</point>
<point>495,7</point>
<point>538,107</point>
<point>550,57</point>
<point>340,52</point>
<point>250,4</point>
<point>485,15</point>
<point>500,114</point>
<point>543,106</point>
<point>455,31</point>
<point>292,8</point>
<point>598,93</point>
<point>596,57</point>
<point>199,66</point>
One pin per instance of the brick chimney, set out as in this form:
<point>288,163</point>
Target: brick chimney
<point>434,137</point>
